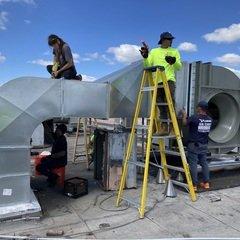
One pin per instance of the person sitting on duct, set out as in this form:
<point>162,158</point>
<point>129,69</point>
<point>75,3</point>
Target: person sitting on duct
<point>197,147</point>
<point>63,65</point>
<point>58,157</point>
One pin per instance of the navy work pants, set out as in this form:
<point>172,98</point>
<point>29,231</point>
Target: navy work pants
<point>197,154</point>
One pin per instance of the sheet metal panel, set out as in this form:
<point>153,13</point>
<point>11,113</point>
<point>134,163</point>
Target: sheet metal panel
<point>85,99</point>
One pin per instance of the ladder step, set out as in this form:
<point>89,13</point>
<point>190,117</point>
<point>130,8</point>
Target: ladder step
<point>141,134</point>
<point>161,104</point>
<point>162,120</point>
<point>137,163</point>
<point>166,120</point>
<point>156,165</point>
<point>179,169</point>
<point>157,136</point>
<point>180,184</point>
<point>149,89</point>
<point>80,155</point>
<point>140,127</point>
<point>170,152</point>
<point>174,153</point>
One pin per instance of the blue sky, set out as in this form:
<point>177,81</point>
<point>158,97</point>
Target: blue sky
<point>105,35</point>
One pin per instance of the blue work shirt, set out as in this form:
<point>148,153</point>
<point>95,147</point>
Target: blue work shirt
<point>199,128</point>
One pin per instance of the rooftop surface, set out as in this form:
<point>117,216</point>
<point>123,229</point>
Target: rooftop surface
<point>215,214</point>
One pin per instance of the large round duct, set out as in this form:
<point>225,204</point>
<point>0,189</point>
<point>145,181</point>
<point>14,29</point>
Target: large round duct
<point>221,88</point>
<point>224,110</point>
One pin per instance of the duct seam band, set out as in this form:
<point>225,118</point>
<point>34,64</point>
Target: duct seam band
<point>61,96</point>
<point>15,147</point>
<point>14,175</point>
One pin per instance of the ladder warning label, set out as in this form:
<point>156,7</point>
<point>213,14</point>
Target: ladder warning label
<point>7,192</point>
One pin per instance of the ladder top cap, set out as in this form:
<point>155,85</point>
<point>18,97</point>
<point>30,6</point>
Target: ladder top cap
<point>154,68</point>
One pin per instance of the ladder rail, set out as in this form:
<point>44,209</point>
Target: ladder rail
<point>161,142</point>
<point>131,140</point>
<point>85,144</point>
<point>76,141</point>
<point>178,134</point>
<point>148,150</point>
<point>86,141</point>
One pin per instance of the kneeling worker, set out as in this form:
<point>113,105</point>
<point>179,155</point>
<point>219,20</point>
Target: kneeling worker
<point>63,64</point>
<point>58,157</point>
<point>199,128</point>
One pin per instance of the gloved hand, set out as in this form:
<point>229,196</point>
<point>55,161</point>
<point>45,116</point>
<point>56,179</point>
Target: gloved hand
<point>170,60</point>
<point>182,113</point>
<point>144,50</point>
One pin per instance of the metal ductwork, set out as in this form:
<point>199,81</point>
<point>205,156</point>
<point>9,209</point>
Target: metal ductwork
<point>221,106</point>
<point>28,101</point>
<point>221,88</point>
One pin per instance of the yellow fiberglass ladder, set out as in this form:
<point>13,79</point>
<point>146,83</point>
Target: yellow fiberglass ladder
<point>83,144</point>
<point>150,84</point>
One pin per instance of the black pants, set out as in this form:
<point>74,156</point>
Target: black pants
<point>161,98</point>
<point>47,165</point>
<point>67,74</point>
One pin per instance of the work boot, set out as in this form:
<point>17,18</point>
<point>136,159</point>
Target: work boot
<point>205,185</point>
<point>195,188</point>
<point>164,129</point>
<point>78,77</point>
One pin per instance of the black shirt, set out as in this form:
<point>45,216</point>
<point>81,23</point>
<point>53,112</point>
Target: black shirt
<point>59,145</point>
<point>199,128</point>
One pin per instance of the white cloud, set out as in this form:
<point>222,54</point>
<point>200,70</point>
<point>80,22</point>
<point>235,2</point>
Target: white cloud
<point>41,62</point>
<point>227,35</point>
<point>187,47</point>
<point>94,55</point>
<point>46,53</point>
<point>125,53</point>
<point>85,59</point>
<point>88,78</point>
<point>3,20</point>
<point>236,71</point>
<point>2,58</point>
<point>18,1</point>
<point>27,21</point>
<point>76,57</point>
<point>229,58</point>
<point>106,59</point>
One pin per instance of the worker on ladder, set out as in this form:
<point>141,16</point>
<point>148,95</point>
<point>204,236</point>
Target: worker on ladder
<point>170,59</point>
<point>197,148</point>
